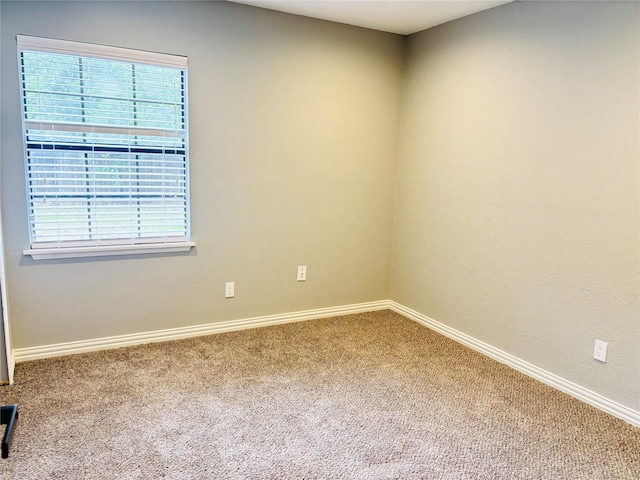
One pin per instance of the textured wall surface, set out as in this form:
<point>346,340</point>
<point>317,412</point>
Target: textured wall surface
<point>518,203</point>
<point>293,142</point>
<point>517,207</point>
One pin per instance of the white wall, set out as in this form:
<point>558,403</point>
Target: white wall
<point>518,202</point>
<point>5,357</point>
<point>293,141</point>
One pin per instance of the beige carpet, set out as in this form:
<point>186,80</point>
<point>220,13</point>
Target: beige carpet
<point>370,396</point>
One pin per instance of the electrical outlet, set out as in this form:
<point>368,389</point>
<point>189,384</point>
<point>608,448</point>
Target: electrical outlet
<point>229,289</point>
<point>302,273</point>
<point>600,351</point>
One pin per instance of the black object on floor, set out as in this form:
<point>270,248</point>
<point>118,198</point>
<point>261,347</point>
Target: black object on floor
<point>8,417</point>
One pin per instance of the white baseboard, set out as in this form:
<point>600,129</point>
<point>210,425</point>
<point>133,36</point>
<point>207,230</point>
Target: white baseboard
<point>69,348</point>
<point>559,383</point>
<point>548,378</point>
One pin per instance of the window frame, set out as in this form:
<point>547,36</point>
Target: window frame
<point>131,245</point>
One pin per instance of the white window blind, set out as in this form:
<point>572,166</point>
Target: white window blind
<point>105,133</point>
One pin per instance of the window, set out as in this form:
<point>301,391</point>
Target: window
<point>106,149</point>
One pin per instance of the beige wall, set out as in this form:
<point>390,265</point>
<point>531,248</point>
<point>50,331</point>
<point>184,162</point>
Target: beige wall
<point>517,209</point>
<point>293,142</point>
<point>517,205</point>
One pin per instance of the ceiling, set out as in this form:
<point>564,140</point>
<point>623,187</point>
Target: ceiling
<point>396,16</point>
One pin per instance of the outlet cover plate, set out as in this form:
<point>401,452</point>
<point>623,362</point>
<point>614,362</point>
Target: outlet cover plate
<point>302,273</point>
<point>600,351</point>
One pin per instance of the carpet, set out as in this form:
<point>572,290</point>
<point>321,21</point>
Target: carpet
<point>365,396</point>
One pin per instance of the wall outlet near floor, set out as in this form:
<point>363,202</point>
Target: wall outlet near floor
<point>302,273</point>
<point>600,351</point>
<point>229,289</point>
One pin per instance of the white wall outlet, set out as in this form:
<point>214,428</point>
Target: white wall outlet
<point>302,273</point>
<point>229,289</point>
<point>600,351</point>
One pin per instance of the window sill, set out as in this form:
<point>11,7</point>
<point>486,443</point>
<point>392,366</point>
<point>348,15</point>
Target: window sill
<point>107,250</point>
